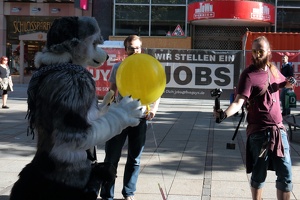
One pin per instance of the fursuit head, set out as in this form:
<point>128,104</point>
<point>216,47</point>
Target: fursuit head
<point>64,114</point>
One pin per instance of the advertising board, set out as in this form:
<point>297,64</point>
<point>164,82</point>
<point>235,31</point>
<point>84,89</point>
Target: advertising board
<point>194,73</point>
<point>190,73</point>
<point>116,53</point>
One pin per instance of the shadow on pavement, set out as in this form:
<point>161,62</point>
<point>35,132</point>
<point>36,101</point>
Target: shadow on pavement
<point>4,197</point>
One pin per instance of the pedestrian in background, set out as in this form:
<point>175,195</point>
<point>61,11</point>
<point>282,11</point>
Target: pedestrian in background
<point>136,136</point>
<point>287,70</point>
<point>267,140</point>
<point>5,78</point>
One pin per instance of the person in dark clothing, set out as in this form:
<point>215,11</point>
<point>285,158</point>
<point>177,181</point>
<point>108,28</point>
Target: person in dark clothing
<point>136,136</point>
<point>287,70</point>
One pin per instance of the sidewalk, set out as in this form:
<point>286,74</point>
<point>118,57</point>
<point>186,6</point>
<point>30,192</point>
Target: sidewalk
<point>185,153</point>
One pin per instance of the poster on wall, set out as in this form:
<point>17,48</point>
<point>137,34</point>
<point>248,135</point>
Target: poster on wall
<point>194,73</point>
<point>101,74</point>
<point>189,73</point>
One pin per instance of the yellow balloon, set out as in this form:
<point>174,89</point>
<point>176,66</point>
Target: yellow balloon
<point>141,76</point>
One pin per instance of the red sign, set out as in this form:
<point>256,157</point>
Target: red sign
<point>82,4</point>
<point>102,74</point>
<point>237,10</point>
<point>178,31</point>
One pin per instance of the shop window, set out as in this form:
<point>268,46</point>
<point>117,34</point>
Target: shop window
<point>132,20</point>
<point>168,2</point>
<point>59,1</point>
<point>20,0</point>
<point>192,1</point>
<point>156,1</point>
<point>288,20</point>
<point>165,19</point>
<point>294,3</point>
<point>45,1</point>
<point>133,1</point>
<point>137,19</point>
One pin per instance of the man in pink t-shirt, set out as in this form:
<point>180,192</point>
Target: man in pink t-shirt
<point>267,141</point>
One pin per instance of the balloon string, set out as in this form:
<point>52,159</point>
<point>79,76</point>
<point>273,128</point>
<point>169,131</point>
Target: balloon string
<point>162,192</point>
<point>161,168</point>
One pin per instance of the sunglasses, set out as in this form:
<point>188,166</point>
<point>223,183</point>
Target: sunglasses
<point>130,48</point>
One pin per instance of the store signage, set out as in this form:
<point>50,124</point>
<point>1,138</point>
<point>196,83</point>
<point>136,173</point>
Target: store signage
<point>190,73</point>
<point>205,10</point>
<point>17,26</point>
<point>194,73</point>
<point>30,26</point>
<point>238,10</point>
<point>101,74</point>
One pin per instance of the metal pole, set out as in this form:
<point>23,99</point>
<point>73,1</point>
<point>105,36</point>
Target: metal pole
<point>21,61</point>
<point>275,27</point>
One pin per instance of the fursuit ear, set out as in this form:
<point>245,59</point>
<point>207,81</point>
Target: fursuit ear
<point>88,26</point>
<point>67,32</point>
<point>63,34</point>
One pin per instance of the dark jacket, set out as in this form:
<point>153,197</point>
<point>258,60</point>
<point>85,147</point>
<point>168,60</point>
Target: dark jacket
<point>287,70</point>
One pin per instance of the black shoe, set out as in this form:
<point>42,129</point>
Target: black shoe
<point>5,107</point>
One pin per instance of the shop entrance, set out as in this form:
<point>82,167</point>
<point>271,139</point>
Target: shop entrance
<point>30,49</point>
<point>29,45</point>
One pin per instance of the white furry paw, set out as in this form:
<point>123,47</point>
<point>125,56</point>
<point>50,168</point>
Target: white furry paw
<point>129,111</point>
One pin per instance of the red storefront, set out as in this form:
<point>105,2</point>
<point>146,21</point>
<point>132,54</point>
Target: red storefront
<point>281,44</point>
<point>231,12</point>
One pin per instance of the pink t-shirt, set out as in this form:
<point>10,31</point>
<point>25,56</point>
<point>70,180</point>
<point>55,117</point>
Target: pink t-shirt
<point>264,110</point>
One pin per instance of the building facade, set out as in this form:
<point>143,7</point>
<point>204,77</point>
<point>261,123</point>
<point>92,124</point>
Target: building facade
<point>211,24</point>
<point>26,22</point>
<point>183,24</point>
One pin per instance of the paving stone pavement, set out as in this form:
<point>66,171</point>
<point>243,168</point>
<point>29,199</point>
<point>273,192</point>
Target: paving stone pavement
<point>185,153</point>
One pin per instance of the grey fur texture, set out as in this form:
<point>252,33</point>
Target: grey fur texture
<point>75,40</point>
<point>64,114</point>
<point>59,98</point>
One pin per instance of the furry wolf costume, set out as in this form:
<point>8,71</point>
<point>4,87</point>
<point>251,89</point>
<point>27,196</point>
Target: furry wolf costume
<point>63,112</point>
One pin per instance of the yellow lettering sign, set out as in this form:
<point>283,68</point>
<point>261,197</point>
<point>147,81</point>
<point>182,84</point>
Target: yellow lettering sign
<point>30,26</point>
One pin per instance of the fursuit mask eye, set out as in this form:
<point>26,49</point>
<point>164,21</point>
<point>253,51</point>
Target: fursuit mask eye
<point>97,42</point>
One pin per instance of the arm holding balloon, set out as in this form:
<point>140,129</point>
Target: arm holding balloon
<point>153,110</point>
<point>113,87</point>
<point>107,100</point>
